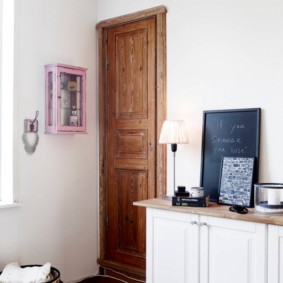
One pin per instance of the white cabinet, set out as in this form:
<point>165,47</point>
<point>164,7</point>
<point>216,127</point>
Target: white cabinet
<point>189,248</point>
<point>275,254</point>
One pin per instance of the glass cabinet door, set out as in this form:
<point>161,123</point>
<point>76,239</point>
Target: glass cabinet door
<point>70,98</point>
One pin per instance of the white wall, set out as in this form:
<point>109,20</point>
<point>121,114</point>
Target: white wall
<point>57,185</point>
<point>220,55</point>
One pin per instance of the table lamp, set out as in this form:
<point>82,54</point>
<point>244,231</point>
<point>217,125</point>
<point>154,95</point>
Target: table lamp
<point>173,132</point>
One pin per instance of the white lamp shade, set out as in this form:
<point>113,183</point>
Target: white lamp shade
<point>174,132</point>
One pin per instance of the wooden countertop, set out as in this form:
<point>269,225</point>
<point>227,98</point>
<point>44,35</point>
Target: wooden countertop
<point>216,210</point>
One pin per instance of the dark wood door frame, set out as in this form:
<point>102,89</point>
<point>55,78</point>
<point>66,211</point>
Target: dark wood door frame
<point>159,14</point>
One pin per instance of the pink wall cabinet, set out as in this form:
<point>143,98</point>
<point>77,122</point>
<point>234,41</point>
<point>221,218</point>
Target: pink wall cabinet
<point>65,99</point>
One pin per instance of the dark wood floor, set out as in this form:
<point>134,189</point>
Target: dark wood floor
<point>102,279</point>
<point>108,275</point>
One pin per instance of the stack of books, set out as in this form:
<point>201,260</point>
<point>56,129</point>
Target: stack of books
<point>190,201</point>
<point>183,198</point>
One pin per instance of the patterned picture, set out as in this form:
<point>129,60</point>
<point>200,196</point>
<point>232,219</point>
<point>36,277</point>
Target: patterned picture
<point>236,181</point>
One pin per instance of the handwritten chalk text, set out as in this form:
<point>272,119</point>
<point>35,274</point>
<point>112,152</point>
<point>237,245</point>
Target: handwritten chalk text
<point>237,127</point>
<point>225,140</point>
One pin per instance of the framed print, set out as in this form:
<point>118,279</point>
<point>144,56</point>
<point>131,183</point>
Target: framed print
<point>236,181</point>
<point>231,133</point>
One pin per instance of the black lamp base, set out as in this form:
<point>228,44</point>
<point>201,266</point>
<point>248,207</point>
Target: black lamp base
<point>173,147</point>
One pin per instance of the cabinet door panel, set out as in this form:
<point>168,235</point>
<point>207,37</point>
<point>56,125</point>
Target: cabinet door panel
<point>170,244</point>
<point>235,251</point>
<point>275,254</point>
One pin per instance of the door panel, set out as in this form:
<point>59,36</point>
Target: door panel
<point>131,73</point>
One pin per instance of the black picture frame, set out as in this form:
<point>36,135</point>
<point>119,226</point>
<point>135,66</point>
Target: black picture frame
<point>231,133</point>
<point>236,181</point>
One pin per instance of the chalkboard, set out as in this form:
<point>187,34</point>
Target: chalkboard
<point>231,133</point>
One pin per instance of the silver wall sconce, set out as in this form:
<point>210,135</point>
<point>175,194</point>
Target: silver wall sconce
<point>30,136</point>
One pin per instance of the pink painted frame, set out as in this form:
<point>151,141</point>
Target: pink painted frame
<point>55,126</point>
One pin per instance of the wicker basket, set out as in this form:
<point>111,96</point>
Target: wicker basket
<point>54,274</point>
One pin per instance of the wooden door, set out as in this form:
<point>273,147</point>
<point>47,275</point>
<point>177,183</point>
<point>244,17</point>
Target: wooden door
<point>131,138</point>
<point>129,128</point>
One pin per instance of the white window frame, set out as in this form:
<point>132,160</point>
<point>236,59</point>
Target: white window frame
<point>7,195</point>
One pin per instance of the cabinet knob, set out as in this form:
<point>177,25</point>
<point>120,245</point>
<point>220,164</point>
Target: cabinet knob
<point>203,224</point>
<point>194,223</point>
